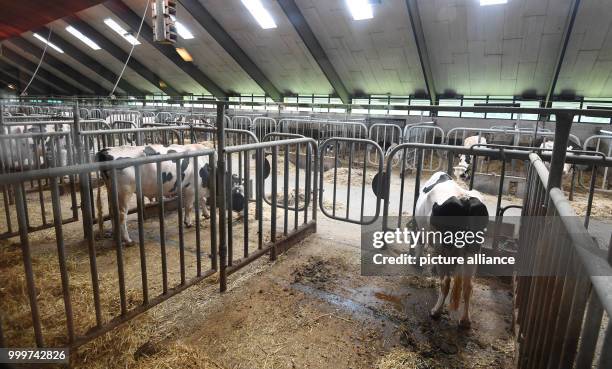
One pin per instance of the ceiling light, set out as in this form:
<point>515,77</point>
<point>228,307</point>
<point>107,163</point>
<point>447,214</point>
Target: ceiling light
<point>184,54</point>
<point>360,9</point>
<point>11,86</point>
<point>492,2</point>
<point>182,30</point>
<point>86,40</point>
<point>121,31</point>
<point>44,40</point>
<point>260,13</point>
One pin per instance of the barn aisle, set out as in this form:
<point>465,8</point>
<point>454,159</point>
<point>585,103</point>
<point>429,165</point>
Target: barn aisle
<point>311,308</point>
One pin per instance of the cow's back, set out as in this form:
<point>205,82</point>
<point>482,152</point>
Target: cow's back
<point>438,189</point>
<point>437,185</point>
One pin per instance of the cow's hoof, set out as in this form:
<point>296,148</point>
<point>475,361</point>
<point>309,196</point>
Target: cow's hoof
<point>465,324</point>
<point>128,243</point>
<point>104,235</point>
<point>435,314</point>
<point>188,225</point>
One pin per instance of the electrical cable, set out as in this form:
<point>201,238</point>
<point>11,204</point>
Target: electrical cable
<point>24,92</point>
<point>112,93</point>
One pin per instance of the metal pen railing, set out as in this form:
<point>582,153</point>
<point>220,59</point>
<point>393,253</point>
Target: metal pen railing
<point>301,181</point>
<point>564,283</point>
<point>107,317</point>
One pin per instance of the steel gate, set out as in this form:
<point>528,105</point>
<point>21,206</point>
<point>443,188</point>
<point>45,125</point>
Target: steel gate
<point>342,177</point>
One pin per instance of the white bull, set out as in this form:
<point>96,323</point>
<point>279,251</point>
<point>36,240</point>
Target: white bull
<point>548,146</point>
<point>462,170</point>
<point>443,206</point>
<point>126,180</point>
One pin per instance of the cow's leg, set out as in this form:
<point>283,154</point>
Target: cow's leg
<point>124,198</point>
<point>205,212</point>
<point>63,163</point>
<point>467,294</point>
<point>445,281</point>
<point>189,198</point>
<point>204,195</point>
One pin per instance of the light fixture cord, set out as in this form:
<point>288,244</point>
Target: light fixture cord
<point>24,92</point>
<point>131,50</point>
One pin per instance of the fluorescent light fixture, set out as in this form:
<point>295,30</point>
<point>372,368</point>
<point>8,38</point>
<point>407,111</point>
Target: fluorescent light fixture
<point>260,13</point>
<point>121,31</point>
<point>492,2</point>
<point>86,40</point>
<point>360,9</point>
<point>182,30</point>
<point>44,40</point>
<point>184,54</point>
<point>11,86</point>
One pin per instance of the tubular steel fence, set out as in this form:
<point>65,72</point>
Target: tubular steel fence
<point>398,185</point>
<point>108,316</point>
<point>422,133</point>
<point>263,126</point>
<point>32,151</point>
<point>358,150</point>
<point>602,144</point>
<point>386,136</point>
<point>268,195</point>
<point>297,184</point>
<point>564,285</point>
<point>511,136</point>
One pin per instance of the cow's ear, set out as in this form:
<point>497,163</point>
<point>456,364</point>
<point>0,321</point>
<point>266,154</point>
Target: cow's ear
<point>148,150</point>
<point>184,165</point>
<point>204,174</point>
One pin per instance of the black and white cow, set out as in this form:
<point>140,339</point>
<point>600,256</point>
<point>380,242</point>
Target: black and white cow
<point>443,206</point>
<point>126,180</point>
<point>464,168</point>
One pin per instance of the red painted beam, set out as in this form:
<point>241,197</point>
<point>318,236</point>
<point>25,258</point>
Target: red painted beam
<point>18,16</point>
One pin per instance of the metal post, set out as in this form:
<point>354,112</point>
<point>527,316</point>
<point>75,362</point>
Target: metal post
<point>76,133</point>
<point>1,118</point>
<point>562,131</point>
<point>221,196</point>
<point>27,263</point>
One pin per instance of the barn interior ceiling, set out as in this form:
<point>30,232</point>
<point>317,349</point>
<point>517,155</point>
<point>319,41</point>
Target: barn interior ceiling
<point>288,47</point>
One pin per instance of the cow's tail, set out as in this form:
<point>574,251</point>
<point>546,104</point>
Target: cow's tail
<point>455,296</point>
